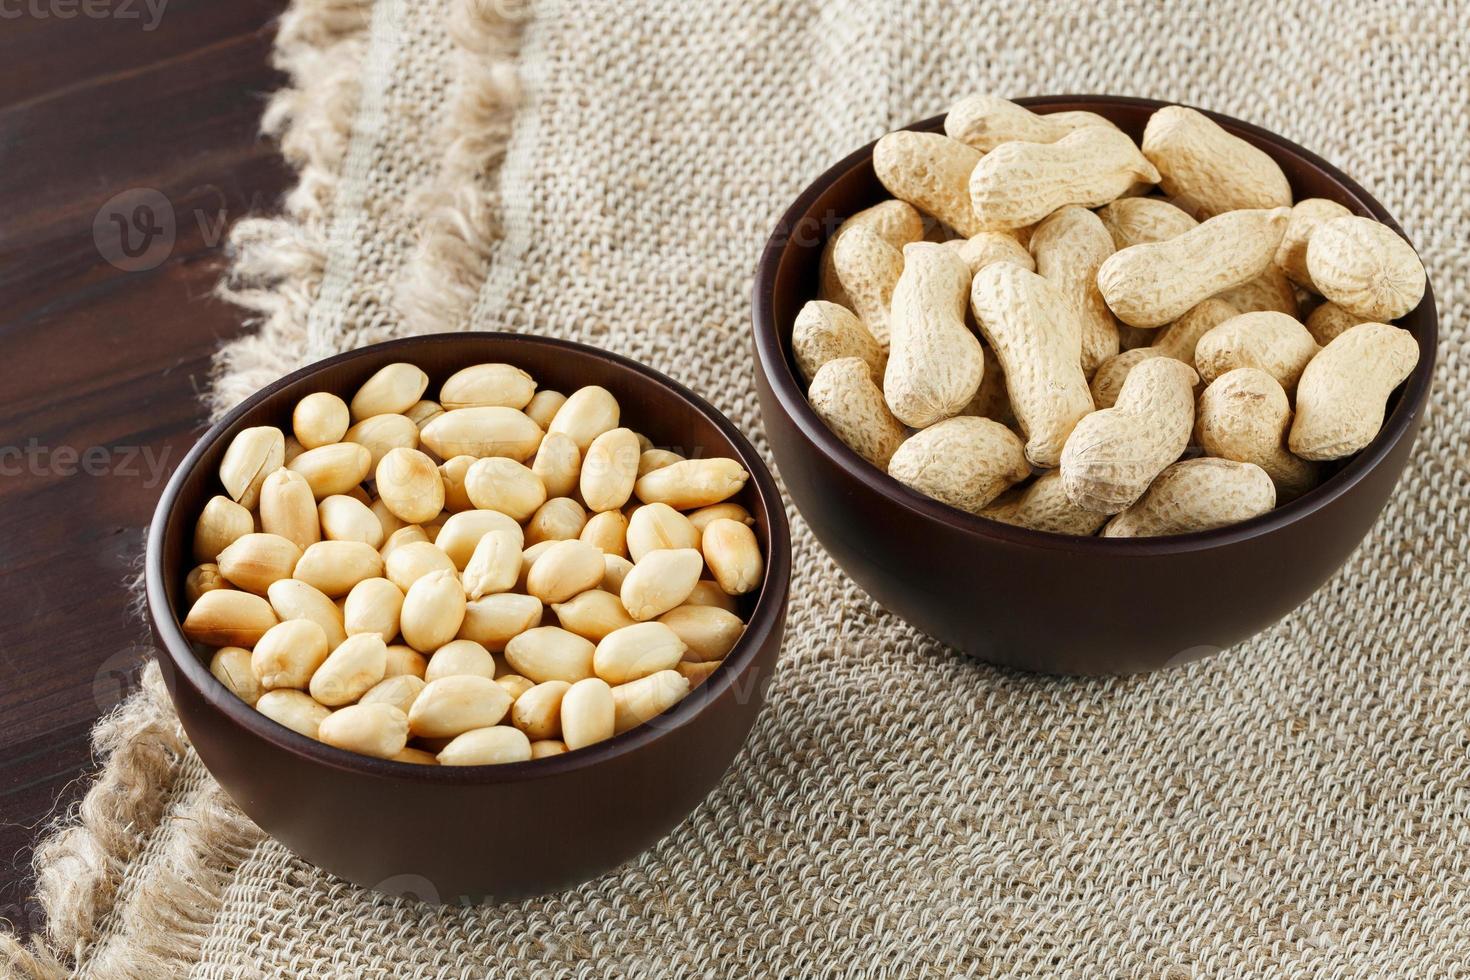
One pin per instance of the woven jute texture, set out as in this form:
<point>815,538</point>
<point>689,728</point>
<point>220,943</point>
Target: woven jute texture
<point>607,171</point>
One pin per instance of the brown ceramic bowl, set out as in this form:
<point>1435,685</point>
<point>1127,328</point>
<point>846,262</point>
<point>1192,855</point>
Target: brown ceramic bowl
<point>1041,601</point>
<point>449,833</point>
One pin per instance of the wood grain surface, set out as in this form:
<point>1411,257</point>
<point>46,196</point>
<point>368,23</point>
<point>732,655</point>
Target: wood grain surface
<point>104,352</point>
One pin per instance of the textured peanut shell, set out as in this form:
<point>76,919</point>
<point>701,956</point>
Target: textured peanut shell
<point>896,222</point>
<point>1329,321</point>
<point>1018,184</point>
<point>1179,339</point>
<point>1044,506</point>
<point>1151,284</point>
<point>844,397</point>
<point>1196,495</point>
<point>1364,267</point>
<point>1343,392</point>
<point>992,246</point>
<point>1244,415</point>
<point>1037,336</point>
<point>991,400</point>
<point>934,361</point>
<point>987,121</point>
<point>1108,380</point>
<point>1207,170</point>
<point>1143,220</point>
<point>868,268</point>
<point>1273,342</point>
<point>1270,291</point>
<point>1069,246</point>
<point>1306,216</point>
<point>932,173</point>
<point>965,462</point>
<point>825,332</point>
<point>1114,454</point>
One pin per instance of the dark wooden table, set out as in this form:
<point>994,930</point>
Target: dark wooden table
<point>101,367</point>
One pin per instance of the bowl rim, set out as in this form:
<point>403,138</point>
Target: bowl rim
<point>766,617</point>
<point>790,393</point>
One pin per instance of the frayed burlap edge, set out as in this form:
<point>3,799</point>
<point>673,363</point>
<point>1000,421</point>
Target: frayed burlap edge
<point>276,267</point>
<point>462,212</point>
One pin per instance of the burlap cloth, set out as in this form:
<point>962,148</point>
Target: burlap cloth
<point>607,171</point>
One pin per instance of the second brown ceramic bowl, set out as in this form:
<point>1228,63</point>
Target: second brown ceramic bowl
<point>1042,601</point>
<point>454,834</point>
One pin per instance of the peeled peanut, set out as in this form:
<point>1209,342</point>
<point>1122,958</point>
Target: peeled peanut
<point>452,473</point>
<point>343,518</point>
<point>1196,495</point>
<point>486,747</point>
<point>1344,390</point>
<point>1365,267</point>
<point>399,690</point>
<point>410,562</point>
<point>1244,415</point>
<point>528,559</point>
<point>537,712</point>
<point>404,536</point>
<point>320,419</point>
<point>226,617</point>
<point>709,593</point>
<point>253,561</point>
<point>460,657</point>
<point>588,713</point>
<point>294,709</point>
<point>404,660</point>
<point>558,463</point>
<point>609,469</point>
<point>221,523</point>
<point>638,701</point>
<point>615,569</point>
<point>481,385</point>
<point>417,757</point>
<point>1179,339</point>
<point>895,222</point>
<point>481,432</point>
<point>1113,455</point>
<point>337,468</point>
<point>350,671</point>
<point>965,462</point>
<point>547,747</point>
<point>657,459</point>
<point>656,526</point>
<point>1070,246</point>
<point>503,484</point>
<point>1044,506</point>
<point>288,508</point>
<point>845,398</point>
<point>704,516</point>
<point>931,172</point>
<point>825,331</point>
<point>868,268</point>
<point>986,121</point>
<point>664,579</point>
<point>1272,342</point>
<point>495,565</point>
<point>494,620</point>
<point>1143,220</point>
<point>294,599</point>
<point>462,532</point>
<point>409,485</point>
<point>288,654</point>
<point>544,406</point>
<point>433,611</point>
<point>201,579</point>
<point>1152,284</point>
<point>515,685</point>
<point>636,651</point>
<point>559,519</point>
<point>565,569</point>
<point>1208,170</point>
<point>334,567</point>
<point>587,413</point>
<point>696,673</point>
<point>549,653</point>
<point>592,614</point>
<point>708,632</point>
<point>231,667</point>
<point>377,729</point>
<point>461,703</point>
<point>692,483</point>
<point>252,455</point>
<point>935,362</point>
<point>423,411</point>
<point>391,390</point>
<point>1018,184</point>
<point>382,434</point>
<point>608,532</point>
<point>1037,336</point>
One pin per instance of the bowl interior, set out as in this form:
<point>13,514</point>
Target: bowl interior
<point>787,278</point>
<point>669,414</point>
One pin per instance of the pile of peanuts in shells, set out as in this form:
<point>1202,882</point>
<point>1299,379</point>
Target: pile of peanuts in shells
<point>1166,342</point>
<point>500,575</point>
